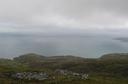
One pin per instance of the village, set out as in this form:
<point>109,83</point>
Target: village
<point>40,76</point>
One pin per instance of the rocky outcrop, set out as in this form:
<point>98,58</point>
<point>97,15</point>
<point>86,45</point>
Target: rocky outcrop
<point>30,75</point>
<point>72,74</point>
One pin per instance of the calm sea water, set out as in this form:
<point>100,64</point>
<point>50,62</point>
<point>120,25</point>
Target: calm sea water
<point>84,46</point>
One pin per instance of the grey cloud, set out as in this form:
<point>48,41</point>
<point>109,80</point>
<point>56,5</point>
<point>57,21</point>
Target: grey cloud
<point>83,14</point>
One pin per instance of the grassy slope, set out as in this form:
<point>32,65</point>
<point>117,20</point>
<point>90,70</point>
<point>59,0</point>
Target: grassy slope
<point>91,80</point>
<point>101,71</point>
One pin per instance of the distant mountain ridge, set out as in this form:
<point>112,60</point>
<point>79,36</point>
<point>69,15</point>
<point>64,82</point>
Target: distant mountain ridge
<point>32,57</point>
<point>122,39</point>
<point>111,64</point>
<point>115,56</point>
<point>38,66</point>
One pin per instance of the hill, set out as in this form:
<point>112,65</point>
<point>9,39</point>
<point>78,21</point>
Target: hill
<point>31,57</point>
<point>115,56</point>
<point>113,66</point>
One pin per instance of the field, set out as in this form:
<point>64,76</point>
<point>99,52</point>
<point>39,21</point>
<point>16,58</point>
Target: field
<point>31,68</point>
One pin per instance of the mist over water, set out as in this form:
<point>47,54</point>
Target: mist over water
<point>12,45</point>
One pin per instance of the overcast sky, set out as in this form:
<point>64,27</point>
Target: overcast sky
<point>62,15</point>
